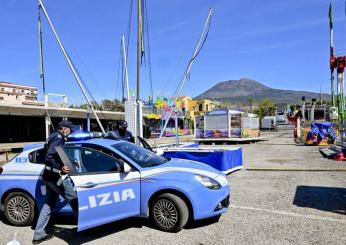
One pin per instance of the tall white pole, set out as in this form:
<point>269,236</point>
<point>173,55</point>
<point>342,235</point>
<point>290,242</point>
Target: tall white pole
<point>332,58</point>
<point>139,53</point>
<point>125,64</point>
<point>71,65</point>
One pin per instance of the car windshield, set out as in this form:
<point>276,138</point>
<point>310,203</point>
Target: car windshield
<point>140,155</point>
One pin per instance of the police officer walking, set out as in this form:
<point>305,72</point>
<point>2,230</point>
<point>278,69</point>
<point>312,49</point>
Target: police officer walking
<point>56,182</point>
<point>121,133</point>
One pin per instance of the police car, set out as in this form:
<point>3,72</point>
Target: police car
<point>116,180</point>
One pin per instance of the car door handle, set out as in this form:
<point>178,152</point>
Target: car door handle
<point>88,185</point>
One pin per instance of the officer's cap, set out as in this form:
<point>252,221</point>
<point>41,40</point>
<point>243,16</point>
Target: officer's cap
<point>123,124</point>
<point>65,124</point>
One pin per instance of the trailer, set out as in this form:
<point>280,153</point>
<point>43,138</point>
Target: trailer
<point>225,126</point>
<point>222,124</point>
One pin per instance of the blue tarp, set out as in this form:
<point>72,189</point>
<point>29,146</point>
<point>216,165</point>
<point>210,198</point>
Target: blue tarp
<point>223,160</point>
<point>321,130</point>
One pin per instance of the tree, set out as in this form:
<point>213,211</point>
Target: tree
<point>112,105</point>
<point>105,105</point>
<point>250,102</point>
<point>266,108</point>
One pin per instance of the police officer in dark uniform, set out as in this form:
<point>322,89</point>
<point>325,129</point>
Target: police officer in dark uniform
<point>121,133</point>
<point>56,182</point>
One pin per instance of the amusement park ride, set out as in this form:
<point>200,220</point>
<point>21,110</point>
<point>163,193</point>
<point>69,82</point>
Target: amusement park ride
<point>226,160</point>
<point>336,113</point>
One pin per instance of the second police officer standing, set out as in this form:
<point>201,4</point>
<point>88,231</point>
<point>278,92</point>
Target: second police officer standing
<point>121,133</point>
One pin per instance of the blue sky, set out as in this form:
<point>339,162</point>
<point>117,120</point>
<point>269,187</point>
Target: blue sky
<point>280,43</point>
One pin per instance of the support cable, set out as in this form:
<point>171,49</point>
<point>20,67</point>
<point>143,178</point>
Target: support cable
<point>200,45</point>
<point>42,74</point>
<point>87,89</point>
<point>71,65</point>
<point>129,30</point>
<point>118,77</point>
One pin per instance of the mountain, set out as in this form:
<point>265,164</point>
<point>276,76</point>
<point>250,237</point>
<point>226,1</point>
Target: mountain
<point>239,91</point>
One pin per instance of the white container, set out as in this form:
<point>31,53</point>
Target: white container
<point>268,122</point>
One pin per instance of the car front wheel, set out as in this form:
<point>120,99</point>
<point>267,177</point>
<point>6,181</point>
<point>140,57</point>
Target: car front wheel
<point>169,212</point>
<point>19,209</point>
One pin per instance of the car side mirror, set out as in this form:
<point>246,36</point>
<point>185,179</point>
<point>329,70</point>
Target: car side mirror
<point>159,152</point>
<point>127,168</point>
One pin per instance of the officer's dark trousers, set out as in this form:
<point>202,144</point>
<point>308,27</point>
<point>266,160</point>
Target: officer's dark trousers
<point>51,198</point>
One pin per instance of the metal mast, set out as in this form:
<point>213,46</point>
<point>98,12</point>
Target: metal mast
<point>139,54</point>
<point>41,50</point>
<point>45,96</point>
<point>75,74</point>
<point>332,57</point>
<point>139,49</point>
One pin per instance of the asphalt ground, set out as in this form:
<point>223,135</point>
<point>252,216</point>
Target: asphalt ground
<point>290,205</point>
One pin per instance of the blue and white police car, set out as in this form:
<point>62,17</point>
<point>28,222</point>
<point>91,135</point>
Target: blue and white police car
<point>116,180</point>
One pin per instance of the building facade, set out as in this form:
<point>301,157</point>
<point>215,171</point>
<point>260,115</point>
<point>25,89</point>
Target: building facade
<point>200,107</point>
<point>11,93</point>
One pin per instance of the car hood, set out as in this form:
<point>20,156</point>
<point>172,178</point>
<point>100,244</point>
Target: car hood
<point>192,166</point>
<point>187,166</point>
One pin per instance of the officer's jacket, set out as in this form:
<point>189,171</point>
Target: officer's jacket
<point>127,137</point>
<point>52,158</point>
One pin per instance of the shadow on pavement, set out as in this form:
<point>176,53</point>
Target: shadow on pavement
<point>201,223</point>
<point>330,199</point>
<point>71,236</point>
<point>2,218</point>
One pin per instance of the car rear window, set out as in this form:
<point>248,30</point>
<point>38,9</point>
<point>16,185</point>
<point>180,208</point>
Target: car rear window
<point>37,156</point>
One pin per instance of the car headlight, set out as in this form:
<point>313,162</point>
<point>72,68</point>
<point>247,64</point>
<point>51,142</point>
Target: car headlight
<point>208,182</point>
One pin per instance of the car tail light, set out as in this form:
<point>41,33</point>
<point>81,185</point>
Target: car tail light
<point>1,169</point>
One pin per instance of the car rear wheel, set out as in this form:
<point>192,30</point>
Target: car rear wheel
<point>169,212</point>
<point>19,209</point>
